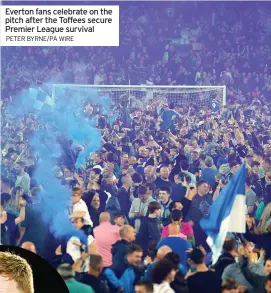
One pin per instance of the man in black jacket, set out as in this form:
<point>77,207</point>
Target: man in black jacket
<point>179,284</point>
<point>122,277</point>
<point>127,235</point>
<point>124,195</point>
<point>227,257</point>
<point>150,228</point>
<point>93,278</point>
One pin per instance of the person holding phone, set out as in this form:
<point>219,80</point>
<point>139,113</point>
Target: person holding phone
<point>139,206</point>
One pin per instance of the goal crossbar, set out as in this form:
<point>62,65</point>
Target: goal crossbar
<point>142,88</point>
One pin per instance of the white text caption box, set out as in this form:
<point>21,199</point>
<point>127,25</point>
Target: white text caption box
<point>60,25</point>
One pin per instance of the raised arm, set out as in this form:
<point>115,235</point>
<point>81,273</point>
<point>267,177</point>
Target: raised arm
<point>21,217</point>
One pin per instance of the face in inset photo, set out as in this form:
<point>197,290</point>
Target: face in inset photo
<point>16,275</point>
<point>23,271</point>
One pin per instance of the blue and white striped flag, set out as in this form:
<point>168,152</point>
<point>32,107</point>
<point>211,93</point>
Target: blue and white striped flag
<point>227,213</point>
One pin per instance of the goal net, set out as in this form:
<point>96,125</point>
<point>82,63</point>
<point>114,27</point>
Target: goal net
<point>140,96</point>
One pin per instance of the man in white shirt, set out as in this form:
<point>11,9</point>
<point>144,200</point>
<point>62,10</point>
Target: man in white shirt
<point>79,207</point>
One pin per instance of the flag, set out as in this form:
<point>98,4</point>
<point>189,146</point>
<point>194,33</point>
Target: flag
<point>40,100</point>
<point>227,213</point>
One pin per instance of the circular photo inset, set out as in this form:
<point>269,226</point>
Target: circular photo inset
<point>22,271</point>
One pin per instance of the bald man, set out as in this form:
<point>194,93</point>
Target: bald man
<point>127,235</point>
<point>149,174</point>
<point>105,236</point>
<point>29,246</point>
<point>15,274</point>
<point>177,244</point>
<point>161,253</point>
<point>163,180</point>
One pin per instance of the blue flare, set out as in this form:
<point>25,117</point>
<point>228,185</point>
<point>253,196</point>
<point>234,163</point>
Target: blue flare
<point>63,116</point>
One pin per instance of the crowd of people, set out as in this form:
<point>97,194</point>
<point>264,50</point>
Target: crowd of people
<point>139,200</point>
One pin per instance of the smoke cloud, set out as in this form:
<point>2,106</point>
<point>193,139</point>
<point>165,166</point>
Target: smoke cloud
<point>64,117</point>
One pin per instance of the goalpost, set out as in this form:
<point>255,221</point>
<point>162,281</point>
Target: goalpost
<point>145,94</point>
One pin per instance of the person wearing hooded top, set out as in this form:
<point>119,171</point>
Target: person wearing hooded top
<point>96,189</point>
<point>150,228</point>
<point>92,200</point>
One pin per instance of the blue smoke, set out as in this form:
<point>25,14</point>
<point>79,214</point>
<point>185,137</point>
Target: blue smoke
<point>64,118</point>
